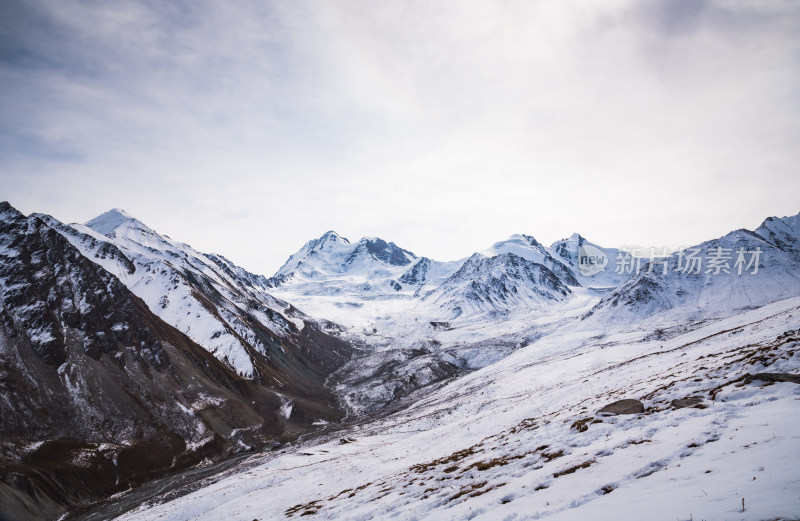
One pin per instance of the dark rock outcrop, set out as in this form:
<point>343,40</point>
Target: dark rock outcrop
<point>774,377</point>
<point>691,401</point>
<point>627,406</point>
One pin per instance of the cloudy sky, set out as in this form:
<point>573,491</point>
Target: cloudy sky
<point>248,127</point>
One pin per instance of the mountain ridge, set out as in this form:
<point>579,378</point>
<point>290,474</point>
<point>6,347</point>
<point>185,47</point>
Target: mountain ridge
<point>365,328</point>
<point>98,394</point>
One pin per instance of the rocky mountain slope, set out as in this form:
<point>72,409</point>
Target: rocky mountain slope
<point>216,303</point>
<point>500,284</point>
<point>98,393</point>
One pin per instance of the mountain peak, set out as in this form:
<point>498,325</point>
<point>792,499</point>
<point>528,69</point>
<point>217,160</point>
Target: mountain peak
<point>387,252</point>
<point>8,212</point>
<point>109,221</point>
<point>331,235</point>
<point>520,244</point>
<point>784,232</point>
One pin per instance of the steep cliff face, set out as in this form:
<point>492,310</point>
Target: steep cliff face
<point>98,394</point>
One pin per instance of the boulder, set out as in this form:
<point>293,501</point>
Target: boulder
<point>774,377</point>
<point>627,406</point>
<point>691,401</point>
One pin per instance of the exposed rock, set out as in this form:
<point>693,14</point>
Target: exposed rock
<point>627,406</point>
<point>691,401</point>
<point>581,425</point>
<point>774,377</point>
<point>418,273</point>
<point>389,253</point>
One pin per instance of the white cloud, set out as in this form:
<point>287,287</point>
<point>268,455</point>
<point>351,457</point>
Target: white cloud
<point>247,128</point>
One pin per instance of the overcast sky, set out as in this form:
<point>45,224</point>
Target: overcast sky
<point>247,128</point>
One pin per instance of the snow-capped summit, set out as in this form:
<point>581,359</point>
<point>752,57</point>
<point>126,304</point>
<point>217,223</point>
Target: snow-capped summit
<point>530,249</point>
<point>334,255</point>
<point>739,271</point>
<point>783,232</point>
<point>8,213</point>
<point>333,236</point>
<point>328,238</point>
<point>330,242</point>
<point>501,283</point>
<point>568,248</point>
<point>126,230</point>
<point>109,221</point>
<point>520,244</point>
<point>342,281</point>
<point>387,252</point>
<point>217,304</point>
<point>574,250</point>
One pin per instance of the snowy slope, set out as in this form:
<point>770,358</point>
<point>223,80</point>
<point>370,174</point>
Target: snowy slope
<point>523,438</point>
<point>498,284</point>
<point>478,393</point>
<point>758,272</point>
<point>97,394</point>
<point>530,249</point>
<point>569,251</point>
<point>159,280</point>
<point>427,274</point>
<point>783,232</point>
<point>223,308</point>
<point>355,284</point>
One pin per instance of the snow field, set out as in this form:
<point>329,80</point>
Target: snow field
<point>508,441</point>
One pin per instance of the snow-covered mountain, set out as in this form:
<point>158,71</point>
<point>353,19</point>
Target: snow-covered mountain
<point>355,283</point>
<point>216,303</point>
<point>783,232</point>
<point>579,253</point>
<point>360,284</point>
<point>637,422</point>
<point>479,310</point>
<point>499,284</point>
<point>425,321</point>
<point>333,253</point>
<point>333,266</point>
<point>99,394</point>
<point>740,271</point>
<point>482,388</point>
<point>528,248</point>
